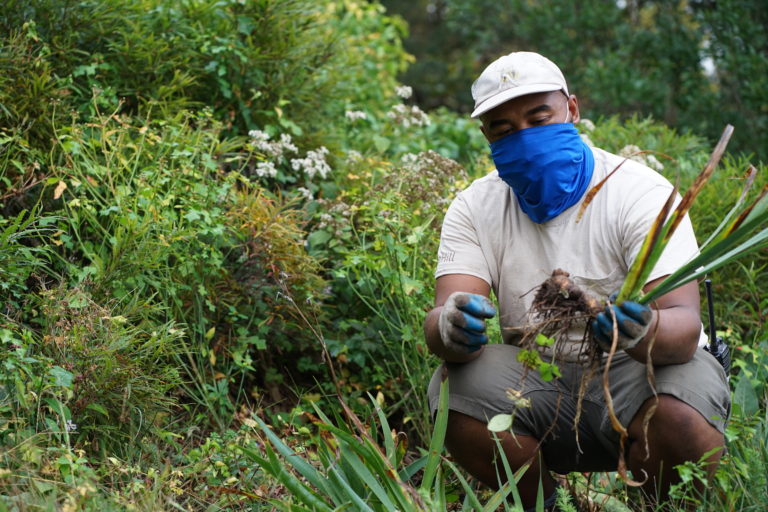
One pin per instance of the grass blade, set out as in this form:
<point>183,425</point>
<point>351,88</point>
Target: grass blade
<point>374,483</point>
<point>469,492</point>
<point>438,438</point>
<point>339,481</point>
<point>700,181</point>
<point>389,443</point>
<point>647,255</point>
<point>512,478</point>
<point>298,489</point>
<point>413,468</point>
<point>750,179</point>
<point>714,252</point>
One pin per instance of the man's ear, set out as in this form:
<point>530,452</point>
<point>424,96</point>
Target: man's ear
<point>573,106</point>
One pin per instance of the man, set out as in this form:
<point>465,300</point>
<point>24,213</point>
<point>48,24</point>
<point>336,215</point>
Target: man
<point>507,232</point>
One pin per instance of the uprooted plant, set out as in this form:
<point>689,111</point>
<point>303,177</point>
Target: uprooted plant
<point>560,305</point>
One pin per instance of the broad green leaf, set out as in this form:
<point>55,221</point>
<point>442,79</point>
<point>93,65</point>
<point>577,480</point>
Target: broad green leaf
<point>745,397</point>
<point>61,377</point>
<point>500,423</point>
<point>98,408</point>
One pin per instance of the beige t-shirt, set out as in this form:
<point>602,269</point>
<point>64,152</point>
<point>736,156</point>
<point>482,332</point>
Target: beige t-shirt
<point>485,234</point>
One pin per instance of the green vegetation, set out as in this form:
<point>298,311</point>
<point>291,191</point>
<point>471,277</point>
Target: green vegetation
<point>219,217</point>
<point>693,64</point>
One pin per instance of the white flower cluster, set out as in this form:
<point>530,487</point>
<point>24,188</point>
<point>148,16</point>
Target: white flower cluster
<point>354,156</point>
<point>404,91</point>
<point>313,164</point>
<point>634,153</point>
<point>355,115</point>
<point>277,148</point>
<point>409,159</point>
<point>266,170</point>
<point>587,124</point>
<point>305,193</point>
<point>408,116</point>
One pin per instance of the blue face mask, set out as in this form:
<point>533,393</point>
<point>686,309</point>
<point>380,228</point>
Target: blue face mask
<point>548,168</point>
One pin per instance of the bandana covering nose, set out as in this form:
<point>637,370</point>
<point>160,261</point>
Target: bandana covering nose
<point>548,168</point>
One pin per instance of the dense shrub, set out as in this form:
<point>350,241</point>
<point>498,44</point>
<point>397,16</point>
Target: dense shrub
<point>291,64</point>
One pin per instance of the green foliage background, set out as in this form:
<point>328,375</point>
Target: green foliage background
<point>212,210</point>
<point>693,64</point>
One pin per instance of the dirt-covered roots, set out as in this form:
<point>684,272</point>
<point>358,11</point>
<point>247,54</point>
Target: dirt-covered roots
<point>560,305</point>
<point>559,296</point>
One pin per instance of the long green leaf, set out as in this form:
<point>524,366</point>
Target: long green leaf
<point>336,478</point>
<point>648,254</point>
<point>374,482</point>
<point>751,174</point>
<point>662,230</point>
<point>501,497</point>
<point>389,443</point>
<point>376,468</point>
<point>438,495</point>
<point>714,252</point>
<point>411,469</point>
<point>469,493</point>
<point>760,206</point>
<point>293,484</point>
<point>438,438</point>
<point>511,477</point>
<point>703,265</point>
<point>306,470</point>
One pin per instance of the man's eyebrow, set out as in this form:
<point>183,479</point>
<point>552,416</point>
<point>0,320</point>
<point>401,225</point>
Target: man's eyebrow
<point>498,122</point>
<point>537,109</point>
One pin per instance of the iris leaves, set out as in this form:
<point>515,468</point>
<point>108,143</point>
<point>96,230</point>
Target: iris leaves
<point>349,470</point>
<point>741,232</point>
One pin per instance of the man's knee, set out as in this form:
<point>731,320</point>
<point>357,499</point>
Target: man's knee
<point>676,430</point>
<point>469,438</point>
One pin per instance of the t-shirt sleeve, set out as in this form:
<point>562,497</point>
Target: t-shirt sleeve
<point>681,248</point>
<point>459,251</point>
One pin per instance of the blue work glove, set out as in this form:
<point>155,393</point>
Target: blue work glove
<point>462,321</point>
<point>633,321</point>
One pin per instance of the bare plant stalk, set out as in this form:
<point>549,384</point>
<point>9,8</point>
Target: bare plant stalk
<point>615,423</point>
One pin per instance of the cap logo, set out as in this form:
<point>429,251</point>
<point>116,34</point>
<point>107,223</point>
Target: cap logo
<point>510,78</point>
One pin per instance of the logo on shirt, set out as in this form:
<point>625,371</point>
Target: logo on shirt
<point>446,256</point>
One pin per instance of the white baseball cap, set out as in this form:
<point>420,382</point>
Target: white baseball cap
<point>513,75</point>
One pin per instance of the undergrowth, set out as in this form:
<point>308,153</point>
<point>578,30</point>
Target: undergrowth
<point>196,201</point>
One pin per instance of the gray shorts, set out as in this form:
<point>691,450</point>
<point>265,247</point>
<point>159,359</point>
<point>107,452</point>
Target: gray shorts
<point>478,389</point>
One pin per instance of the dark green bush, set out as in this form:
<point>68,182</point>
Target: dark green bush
<point>291,64</point>
<point>30,92</point>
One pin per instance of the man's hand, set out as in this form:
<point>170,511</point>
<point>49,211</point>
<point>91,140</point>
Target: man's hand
<point>462,321</point>
<point>632,319</point>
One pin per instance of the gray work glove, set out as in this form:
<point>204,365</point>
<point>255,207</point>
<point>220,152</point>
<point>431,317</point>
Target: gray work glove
<point>462,321</point>
<point>633,320</point>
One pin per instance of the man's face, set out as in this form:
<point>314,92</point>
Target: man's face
<point>529,111</point>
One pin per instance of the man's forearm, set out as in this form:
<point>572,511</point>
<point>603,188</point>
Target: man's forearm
<point>675,334</point>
